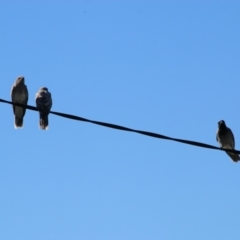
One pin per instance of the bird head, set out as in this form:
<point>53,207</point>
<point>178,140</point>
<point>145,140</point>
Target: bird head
<point>221,124</point>
<point>44,89</point>
<point>20,79</point>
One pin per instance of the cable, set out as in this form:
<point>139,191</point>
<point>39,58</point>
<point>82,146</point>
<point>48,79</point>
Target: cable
<point>118,127</point>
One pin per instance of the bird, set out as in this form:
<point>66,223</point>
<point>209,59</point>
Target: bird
<point>226,140</point>
<point>43,104</point>
<point>19,94</point>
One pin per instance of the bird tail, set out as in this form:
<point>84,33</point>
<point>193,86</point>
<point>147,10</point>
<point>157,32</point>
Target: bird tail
<point>235,157</point>
<point>18,122</point>
<point>43,123</point>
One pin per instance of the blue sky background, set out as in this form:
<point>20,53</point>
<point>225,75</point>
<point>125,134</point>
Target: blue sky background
<point>170,67</point>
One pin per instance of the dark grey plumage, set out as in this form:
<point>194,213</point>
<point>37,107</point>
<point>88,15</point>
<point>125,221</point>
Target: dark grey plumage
<point>226,140</point>
<point>44,104</point>
<point>19,94</point>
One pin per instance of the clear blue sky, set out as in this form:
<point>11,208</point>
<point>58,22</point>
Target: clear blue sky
<point>170,67</point>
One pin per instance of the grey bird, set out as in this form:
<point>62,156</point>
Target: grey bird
<point>19,94</point>
<point>44,104</point>
<point>226,140</point>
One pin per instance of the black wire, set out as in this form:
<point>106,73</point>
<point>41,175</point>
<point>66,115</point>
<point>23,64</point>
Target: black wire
<point>118,127</point>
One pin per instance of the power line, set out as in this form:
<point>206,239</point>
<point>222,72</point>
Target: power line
<point>118,127</point>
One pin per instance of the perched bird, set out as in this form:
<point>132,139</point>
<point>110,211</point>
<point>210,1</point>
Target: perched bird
<point>225,138</point>
<point>19,94</point>
<point>44,104</point>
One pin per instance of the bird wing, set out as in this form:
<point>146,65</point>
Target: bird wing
<point>44,101</point>
<point>13,91</point>
<point>231,136</point>
<point>19,94</point>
